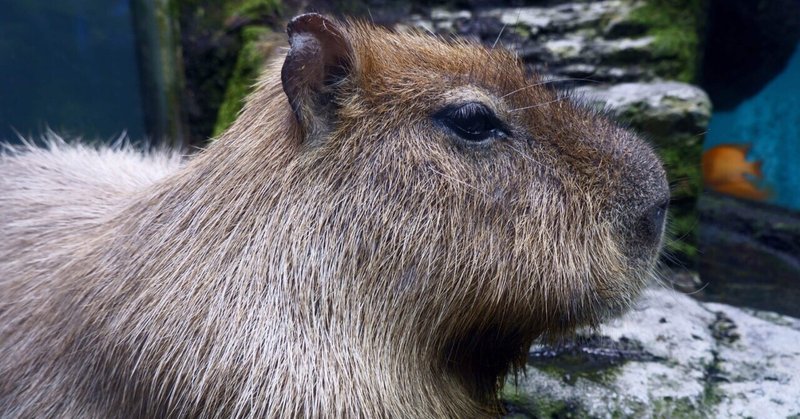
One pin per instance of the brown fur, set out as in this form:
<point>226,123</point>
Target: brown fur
<point>373,267</point>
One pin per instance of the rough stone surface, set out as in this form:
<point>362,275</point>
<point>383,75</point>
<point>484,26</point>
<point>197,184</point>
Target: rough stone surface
<point>667,111</point>
<point>751,253</point>
<point>670,357</point>
<point>597,40</point>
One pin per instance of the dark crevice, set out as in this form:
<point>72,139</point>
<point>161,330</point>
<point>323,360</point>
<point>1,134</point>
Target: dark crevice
<point>748,42</point>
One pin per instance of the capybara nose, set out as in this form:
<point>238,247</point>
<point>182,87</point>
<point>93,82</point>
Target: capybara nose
<point>650,225</point>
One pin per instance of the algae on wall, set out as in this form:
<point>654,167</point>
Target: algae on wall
<point>255,49</point>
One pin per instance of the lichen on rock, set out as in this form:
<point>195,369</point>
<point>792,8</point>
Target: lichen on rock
<point>670,357</point>
<point>676,26</point>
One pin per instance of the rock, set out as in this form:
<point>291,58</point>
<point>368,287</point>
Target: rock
<point>569,40</point>
<point>671,356</point>
<point>626,50</point>
<point>600,40</point>
<point>767,238</point>
<point>666,111</point>
<point>561,17</point>
<point>621,27</point>
<point>568,48</point>
<point>438,14</point>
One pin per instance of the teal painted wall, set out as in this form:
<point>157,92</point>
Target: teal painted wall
<point>769,122</point>
<point>69,65</point>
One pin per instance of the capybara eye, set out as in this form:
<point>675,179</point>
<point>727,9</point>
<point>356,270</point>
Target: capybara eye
<point>473,122</point>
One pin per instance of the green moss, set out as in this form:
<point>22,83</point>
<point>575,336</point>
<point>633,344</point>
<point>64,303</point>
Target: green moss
<point>711,394</point>
<point>251,56</point>
<point>682,161</point>
<point>538,406</point>
<point>682,242</point>
<point>253,9</point>
<point>675,26</point>
<point>212,39</point>
<point>523,31</point>
<point>683,407</point>
<point>245,73</point>
<point>571,368</point>
<point>512,395</point>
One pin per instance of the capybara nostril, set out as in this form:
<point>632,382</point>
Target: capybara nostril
<point>650,225</point>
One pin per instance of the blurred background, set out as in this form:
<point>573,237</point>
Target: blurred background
<point>714,85</point>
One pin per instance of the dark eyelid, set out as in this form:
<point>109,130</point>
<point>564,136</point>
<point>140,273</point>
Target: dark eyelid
<point>466,109</point>
<point>451,115</point>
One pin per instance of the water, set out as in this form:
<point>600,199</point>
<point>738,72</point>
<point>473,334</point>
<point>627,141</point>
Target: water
<point>69,65</point>
<point>770,122</point>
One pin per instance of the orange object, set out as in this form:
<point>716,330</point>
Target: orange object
<point>726,170</point>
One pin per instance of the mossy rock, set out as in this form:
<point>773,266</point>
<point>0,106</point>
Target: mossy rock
<point>258,44</point>
<point>212,39</point>
<point>673,357</point>
<point>519,404</point>
<point>676,26</point>
<point>253,9</point>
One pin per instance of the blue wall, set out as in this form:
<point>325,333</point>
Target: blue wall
<point>69,65</point>
<point>770,122</point>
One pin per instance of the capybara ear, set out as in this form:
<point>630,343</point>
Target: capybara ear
<point>319,56</point>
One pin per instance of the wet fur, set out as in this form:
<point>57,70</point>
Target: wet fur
<point>375,269</point>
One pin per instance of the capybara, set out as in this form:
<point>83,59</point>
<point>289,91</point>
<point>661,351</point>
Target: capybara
<point>388,225</point>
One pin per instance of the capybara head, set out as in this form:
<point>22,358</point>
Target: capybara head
<point>384,230</point>
<point>455,205</point>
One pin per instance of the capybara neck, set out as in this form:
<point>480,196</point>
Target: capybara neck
<point>365,337</point>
